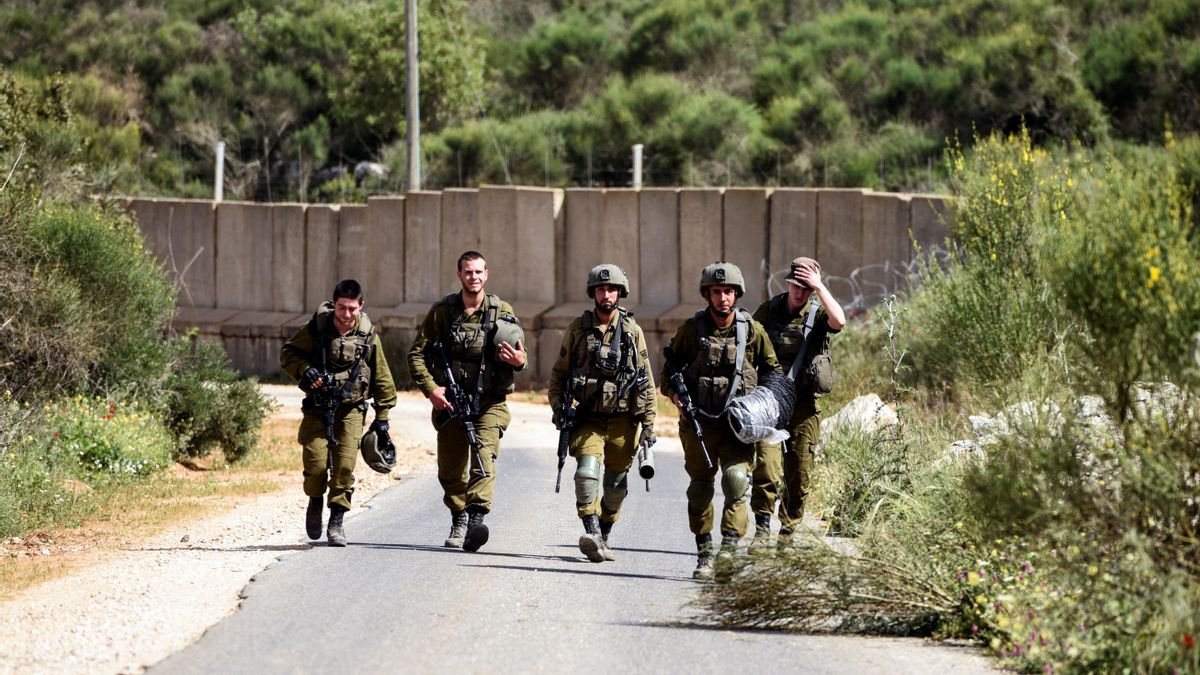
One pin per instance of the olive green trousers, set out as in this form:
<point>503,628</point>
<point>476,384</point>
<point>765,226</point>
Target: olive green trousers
<point>347,428</point>
<point>462,483</point>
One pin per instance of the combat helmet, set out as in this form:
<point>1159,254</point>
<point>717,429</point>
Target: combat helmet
<point>607,274</point>
<point>508,330</point>
<point>380,457</point>
<point>724,274</point>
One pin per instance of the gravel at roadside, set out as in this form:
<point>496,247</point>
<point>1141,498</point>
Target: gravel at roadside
<point>136,605</point>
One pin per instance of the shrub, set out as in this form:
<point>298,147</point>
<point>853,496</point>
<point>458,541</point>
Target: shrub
<point>208,407</point>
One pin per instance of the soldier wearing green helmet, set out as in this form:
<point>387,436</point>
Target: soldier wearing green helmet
<point>721,352</point>
<point>479,335</point>
<point>604,366</point>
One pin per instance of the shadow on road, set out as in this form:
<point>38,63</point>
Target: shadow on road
<point>598,571</point>
<point>633,550</point>
<point>457,551</point>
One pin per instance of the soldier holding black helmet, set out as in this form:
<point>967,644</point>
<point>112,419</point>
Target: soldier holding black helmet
<point>721,352</point>
<point>479,336</point>
<point>603,368</point>
<point>338,360</point>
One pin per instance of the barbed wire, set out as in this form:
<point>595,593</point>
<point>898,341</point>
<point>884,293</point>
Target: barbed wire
<point>868,285</point>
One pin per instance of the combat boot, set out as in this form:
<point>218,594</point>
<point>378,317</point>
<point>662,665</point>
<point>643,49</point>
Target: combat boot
<point>312,518</point>
<point>477,532</point>
<point>334,534</point>
<point>591,543</point>
<point>605,529</point>
<point>762,534</point>
<point>704,557</point>
<point>785,538</point>
<point>729,542</point>
<point>458,529</point>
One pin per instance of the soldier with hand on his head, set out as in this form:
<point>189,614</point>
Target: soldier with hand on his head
<point>480,337</point>
<point>798,323</point>
<point>338,360</point>
<point>604,369</point>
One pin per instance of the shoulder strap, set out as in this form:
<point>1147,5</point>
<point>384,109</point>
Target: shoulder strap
<point>808,326</point>
<point>742,331</point>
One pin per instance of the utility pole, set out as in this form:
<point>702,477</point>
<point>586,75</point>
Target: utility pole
<point>413,87</point>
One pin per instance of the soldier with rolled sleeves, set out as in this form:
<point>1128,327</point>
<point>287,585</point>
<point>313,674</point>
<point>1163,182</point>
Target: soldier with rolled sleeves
<point>338,343</point>
<point>604,367</point>
<point>482,339</point>
<point>721,351</point>
<point>807,312</point>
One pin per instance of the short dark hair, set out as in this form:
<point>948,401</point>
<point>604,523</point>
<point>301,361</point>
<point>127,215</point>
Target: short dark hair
<point>468,257</point>
<point>348,288</point>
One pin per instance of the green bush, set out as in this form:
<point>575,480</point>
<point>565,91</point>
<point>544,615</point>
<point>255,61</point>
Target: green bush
<point>208,407</point>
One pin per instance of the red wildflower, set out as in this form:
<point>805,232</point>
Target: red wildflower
<point>1188,640</point>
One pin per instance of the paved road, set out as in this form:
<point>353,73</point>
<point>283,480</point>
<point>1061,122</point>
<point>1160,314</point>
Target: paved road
<point>394,600</point>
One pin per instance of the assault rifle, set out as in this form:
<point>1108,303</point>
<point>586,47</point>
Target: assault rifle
<point>462,407</point>
<point>685,399</point>
<point>326,398</point>
<point>566,424</point>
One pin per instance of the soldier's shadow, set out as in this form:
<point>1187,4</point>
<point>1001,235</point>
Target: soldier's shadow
<point>599,570</point>
<point>626,549</point>
<point>457,551</point>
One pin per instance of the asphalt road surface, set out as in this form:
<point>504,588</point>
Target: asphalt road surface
<point>395,600</point>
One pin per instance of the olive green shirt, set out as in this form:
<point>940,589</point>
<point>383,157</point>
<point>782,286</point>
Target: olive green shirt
<point>574,354</point>
<point>686,345</point>
<point>294,359</point>
<point>436,328</point>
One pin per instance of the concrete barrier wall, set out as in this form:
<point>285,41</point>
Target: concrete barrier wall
<point>253,273</point>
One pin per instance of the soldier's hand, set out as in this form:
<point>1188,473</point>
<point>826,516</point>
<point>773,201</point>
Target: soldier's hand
<point>439,400</point>
<point>513,356</point>
<point>648,437</point>
<point>311,379</point>
<point>380,427</point>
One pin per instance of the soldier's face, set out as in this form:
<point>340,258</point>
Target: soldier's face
<point>798,294</point>
<point>722,298</point>
<point>345,313</point>
<point>606,297</point>
<point>473,274</point>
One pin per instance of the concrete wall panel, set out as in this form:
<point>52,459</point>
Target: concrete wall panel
<point>288,251</point>
<point>321,254</point>
<point>931,218</point>
<point>700,236</point>
<point>460,232</point>
<point>538,213</point>
<point>839,231</point>
<point>182,235</point>
<point>745,226</point>
<point>385,259</point>
<point>422,244</point>
<point>601,226</point>
<point>498,238</point>
<point>245,256</point>
<point>353,247</point>
<point>657,277</point>
<point>793,232</point>
<point>886,250</point>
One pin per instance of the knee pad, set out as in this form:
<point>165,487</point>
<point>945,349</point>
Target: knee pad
<point>700,491</point>
<point>616,486</point>
<point>587,479</point>
<point>735,483</point>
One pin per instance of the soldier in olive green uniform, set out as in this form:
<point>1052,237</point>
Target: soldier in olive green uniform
<point>806,310</point>
<point>339,343</point>
<point>721,352</point>
<point>604,368</point>
<point>482,339</point>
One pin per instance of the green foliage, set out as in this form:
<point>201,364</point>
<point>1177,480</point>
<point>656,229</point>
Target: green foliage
<point>208,407</point>
<point>1065,537</point>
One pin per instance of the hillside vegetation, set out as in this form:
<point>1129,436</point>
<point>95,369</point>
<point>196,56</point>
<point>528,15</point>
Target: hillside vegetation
<point>791,92</point>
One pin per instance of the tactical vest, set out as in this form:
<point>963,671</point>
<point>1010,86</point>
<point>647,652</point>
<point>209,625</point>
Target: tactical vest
<point>469,348</point>
<point>786,334</point>
<point>714,369</point>
<point>348,357</point>
<point>606,377</point>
